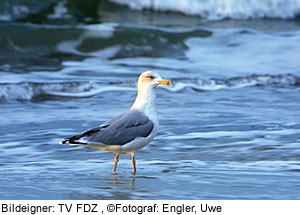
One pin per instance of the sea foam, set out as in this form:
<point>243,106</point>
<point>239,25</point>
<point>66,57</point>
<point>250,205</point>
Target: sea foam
<point>219,9</point>
<point>29,90</point>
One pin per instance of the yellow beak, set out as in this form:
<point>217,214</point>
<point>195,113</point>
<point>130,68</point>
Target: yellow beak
<point>166,82</point>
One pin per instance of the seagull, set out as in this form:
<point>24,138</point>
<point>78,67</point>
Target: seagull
<point>128,132</point>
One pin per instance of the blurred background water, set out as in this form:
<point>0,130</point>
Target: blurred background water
<point>229,125</point>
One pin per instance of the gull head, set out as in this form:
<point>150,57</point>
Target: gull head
<point>151,79</point>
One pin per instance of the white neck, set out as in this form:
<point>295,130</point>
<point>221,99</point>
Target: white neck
<point>145,100</point>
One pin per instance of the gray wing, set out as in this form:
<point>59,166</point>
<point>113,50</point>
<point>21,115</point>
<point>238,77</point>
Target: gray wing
<point>118,130</point>
<point>124,129</point>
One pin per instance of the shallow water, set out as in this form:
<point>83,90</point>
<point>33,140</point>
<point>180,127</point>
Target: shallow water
<point>229,125</point>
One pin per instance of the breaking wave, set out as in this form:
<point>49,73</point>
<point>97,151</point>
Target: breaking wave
<point>28,90</point>
<point>58,10</point>
<point>217,10</point>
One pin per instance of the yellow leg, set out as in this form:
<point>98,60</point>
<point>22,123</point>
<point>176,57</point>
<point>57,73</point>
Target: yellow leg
<point>133,164</point>
<point>116,162</point>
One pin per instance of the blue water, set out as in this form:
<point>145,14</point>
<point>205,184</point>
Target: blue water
<point>229,125</point>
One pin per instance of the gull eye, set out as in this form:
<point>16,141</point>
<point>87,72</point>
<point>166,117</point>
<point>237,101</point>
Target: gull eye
<point>151,77</point>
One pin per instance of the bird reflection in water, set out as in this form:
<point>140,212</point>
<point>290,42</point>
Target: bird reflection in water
<point>117,181</point>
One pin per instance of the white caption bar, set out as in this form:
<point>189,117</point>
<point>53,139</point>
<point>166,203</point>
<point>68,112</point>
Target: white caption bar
<point>148,207</point>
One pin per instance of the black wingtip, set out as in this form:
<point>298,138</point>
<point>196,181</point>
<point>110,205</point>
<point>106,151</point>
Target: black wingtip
<point>71,142</point>
<point>65,141</point>
<point>74,139</point>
